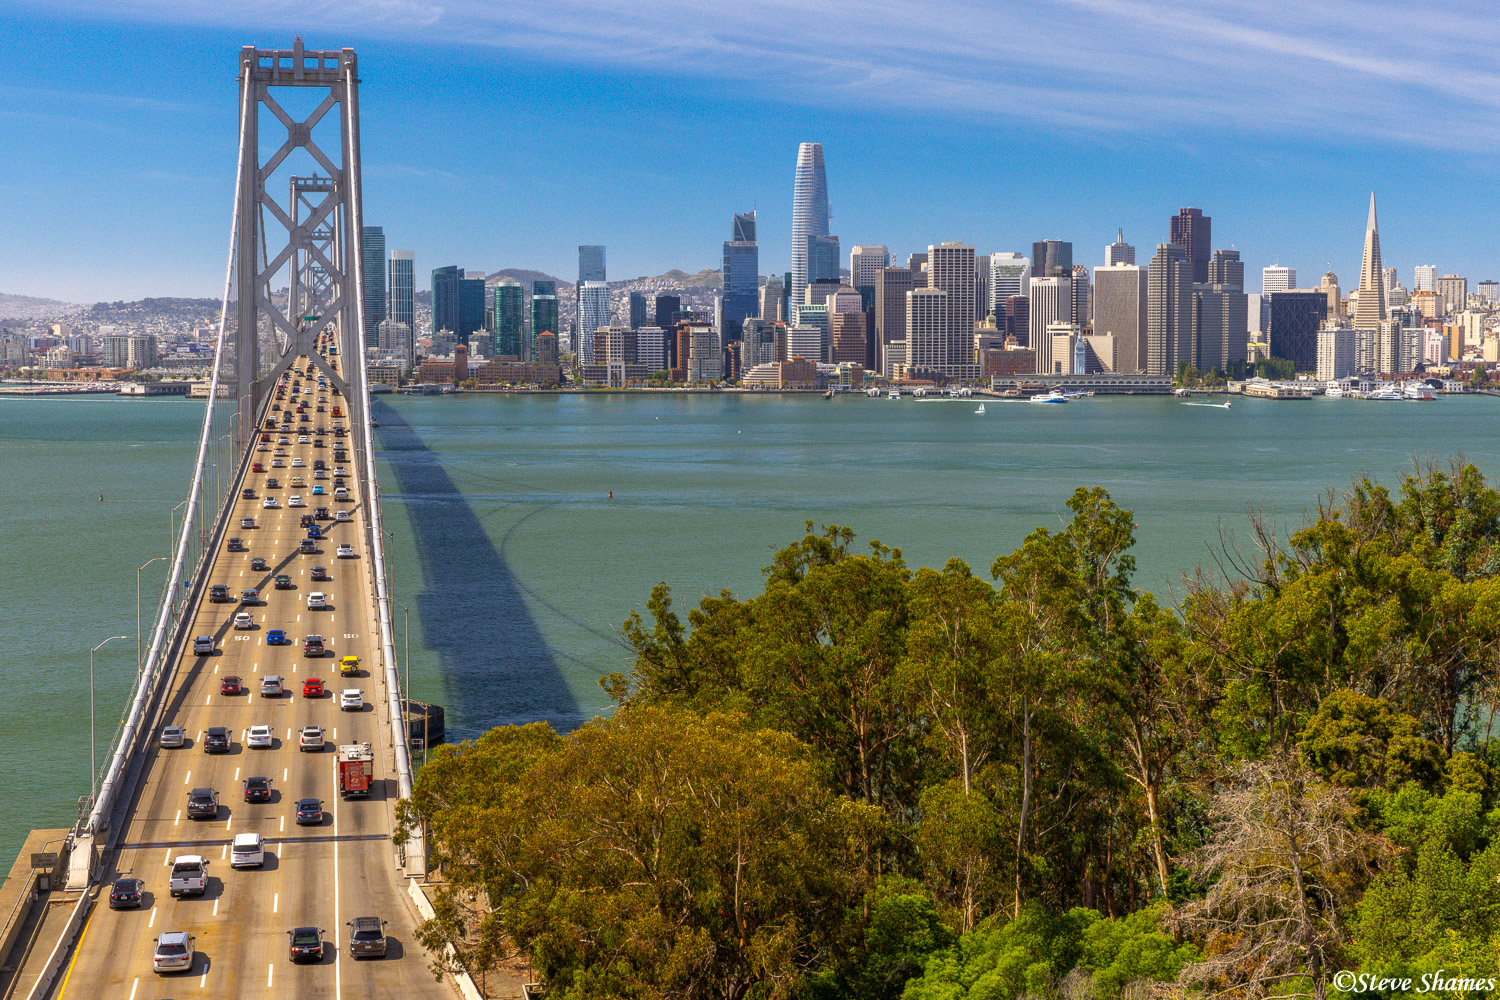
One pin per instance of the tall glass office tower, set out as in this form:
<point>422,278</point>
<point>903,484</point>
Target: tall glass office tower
<point>741,277</point>
<point>809,212</point>
<point>403,287</point>
<point>372,271</point>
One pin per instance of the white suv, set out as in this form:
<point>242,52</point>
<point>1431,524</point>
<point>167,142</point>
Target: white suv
<point>259,738</point>
<point>351,700</point>
<point>247,851</point>
<point>317,600</point>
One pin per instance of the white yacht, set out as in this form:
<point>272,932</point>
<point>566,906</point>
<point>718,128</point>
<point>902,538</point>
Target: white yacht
<point>1053,396</point>
<point>1387,392</point>
<point>1334,391</point>
<point>1419,390</point>
<point>893,394</point>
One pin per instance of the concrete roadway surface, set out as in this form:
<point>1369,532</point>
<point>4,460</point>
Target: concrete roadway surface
<point>314,875</point>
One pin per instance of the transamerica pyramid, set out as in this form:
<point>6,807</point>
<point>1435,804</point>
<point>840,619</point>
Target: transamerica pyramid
<point>1371,308</point>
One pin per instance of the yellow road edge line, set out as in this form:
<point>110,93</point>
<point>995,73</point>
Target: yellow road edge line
<point>77,947</point>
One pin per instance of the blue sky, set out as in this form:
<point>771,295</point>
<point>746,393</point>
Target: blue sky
<point>505,134</point>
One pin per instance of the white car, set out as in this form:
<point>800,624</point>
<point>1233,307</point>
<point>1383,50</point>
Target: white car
<point>346,551</point>
<point>278,463</point>
<point>269,503</point>
<point>316,601</point>
<point>340,471</point>
<point>295,500</point>
<point>247,522</point>
<point>342,515</point>
<point>302,439</point>
<point>351,700</point>
<point>258,738</point>
<point>340,493</point>
<point>247,851</point>
<point>297,463</point>
<point>311,738</point>
<point>283,440</point>
<point>243,621</point>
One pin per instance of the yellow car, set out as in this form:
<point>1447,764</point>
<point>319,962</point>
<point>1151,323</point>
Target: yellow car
<point>349,666</point>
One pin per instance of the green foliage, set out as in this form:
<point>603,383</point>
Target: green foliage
<point>1031,954</point>
<point>1358,742</point>
<point>1276,369</point>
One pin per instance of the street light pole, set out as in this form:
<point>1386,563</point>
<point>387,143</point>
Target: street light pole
<point>148,562</point>
<point>93,745</point>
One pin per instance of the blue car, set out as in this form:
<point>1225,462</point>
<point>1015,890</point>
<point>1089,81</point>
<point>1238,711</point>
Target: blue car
<point>313,531</point>
<point>277,637</point>
<point>317,491</point>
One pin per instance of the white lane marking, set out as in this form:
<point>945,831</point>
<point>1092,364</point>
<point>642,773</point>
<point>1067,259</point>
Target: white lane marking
<point>133,986</point>
<point>216,906</point>
<point>282,829</point>
<point>283,778</point>
<point>224,853</point>
<point>288,734</point>
<point>187,777</point>
<point>165,861</point>
<point>216,668</point>
<point>338,992</point>
<point>152,922</point>
<point>203,979</point>
<point>270,972</point>
<point>175,822</point>
<point>229,821</point>
<point>335,733</point>
<point>275,901</point>
<point>208,700</point>
<point>236,774</point>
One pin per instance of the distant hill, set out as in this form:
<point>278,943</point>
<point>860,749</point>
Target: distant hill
<point>28,307</point>
<point>525,277</point>
<point>186,310</point>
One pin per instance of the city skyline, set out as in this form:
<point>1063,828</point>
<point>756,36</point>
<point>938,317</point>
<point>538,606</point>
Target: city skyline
<point>116,140</point>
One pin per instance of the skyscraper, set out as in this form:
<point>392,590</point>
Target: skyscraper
<point>741,276</point>
<point>1050,301</point>
<point>1010,274</point>
<point>668,311</point>
<point>1052,259</point>
<point>372,271</point>
<point>1120,312</point>
<point>1169,310</point>
<point>543,315</point>
<point>891,286</point>
<point>638,316</point>
<point>927,318</point>
<point>590,264</point>
<point>1220,315</point>
<point>950,267</point>
<point>1292,328</point>
<point>593,312</point>
<point>822,259</point>
<point>1193,231</point>
<point>403,288</point>
<point>1277,279</point>
<point>446,300</point>
<point>1119,252</point>
<point>771,294</point>
<point>510,305</point>
<point>809,212</point>
<point>865,263</point>
<point>1371,308</point>
<point>1454,288</point>
<point>1081,314</point>
<point>1424,278</point>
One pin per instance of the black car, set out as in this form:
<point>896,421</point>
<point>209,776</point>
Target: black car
<point>219,594</point>
<point>283,582</point>
<point>309,812</point>
<point>257,789</point>
<point>307,520</point>
<point>307,547</point>
<point>367,937</point>
<point>320,573</point>
<point>307,944</point>
<point>321,513</point>
<point>318,463</point>
<point>258,565</point>
<point>247,494</point>
<point>203,803</point>
<point>340,455</point>
<point>236,545</point>
<point>125,894</point>
<point>216,740</point>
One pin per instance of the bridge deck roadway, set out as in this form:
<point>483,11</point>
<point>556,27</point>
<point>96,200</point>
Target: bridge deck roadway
<point>314,875</point>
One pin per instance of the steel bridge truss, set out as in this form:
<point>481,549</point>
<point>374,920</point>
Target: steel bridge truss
<point>320,220</point>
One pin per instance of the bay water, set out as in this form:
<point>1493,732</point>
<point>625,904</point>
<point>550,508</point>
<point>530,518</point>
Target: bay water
<point>525,529</point>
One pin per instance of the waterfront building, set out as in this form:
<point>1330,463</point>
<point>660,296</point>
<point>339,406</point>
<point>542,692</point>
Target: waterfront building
<point>651,348</point>
<point>1335,350</point>
<point>593,313</point>
<point>927,317</point>
<point>759,342</point>
<point>591,264</point>
<point>1193,231</point>
<point>373,280</point>
<point>403,288</point>
<point>1424,278</point>
<point>1292,330</point>
<point>950,268</point>
<point>1119,252</point>
<point>446,300</point>
<point>544,315</point>
<point>816,316</point>
<point>705,361</point>
<point>614,345</point>
<point>1064,340</point>
<point>809,212</point>
<point>806,342</point>
<point>1169,309</point>
<point>1049,300</point>
<point>1388,347</point>
<point>847,334</point>
<point>1120,312</point>
<point>510,311</point>
<point>891,286</point>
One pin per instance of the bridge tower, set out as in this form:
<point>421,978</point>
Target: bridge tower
<point>297,265</point>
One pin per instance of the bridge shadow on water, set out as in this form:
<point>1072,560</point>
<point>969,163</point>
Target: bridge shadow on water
<point>497,667</point>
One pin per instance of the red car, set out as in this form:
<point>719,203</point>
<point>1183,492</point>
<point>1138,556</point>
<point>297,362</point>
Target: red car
<point>258,467</point>
<point>231,685</point>
<point>313,687</point>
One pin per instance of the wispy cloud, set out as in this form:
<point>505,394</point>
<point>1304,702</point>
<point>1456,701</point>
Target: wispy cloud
<point>1386,70</point>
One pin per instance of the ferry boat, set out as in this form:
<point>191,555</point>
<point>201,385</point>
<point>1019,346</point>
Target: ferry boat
<point>893,394</point>
<point>1388,393</point>
<point>1334,391</point>
<point>1052,396</point>
<point>1420,391</point>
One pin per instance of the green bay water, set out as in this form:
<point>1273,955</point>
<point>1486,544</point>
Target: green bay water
<point>515,567</point>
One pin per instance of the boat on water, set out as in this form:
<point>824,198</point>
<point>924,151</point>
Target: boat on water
<point>1387,393</point>
<point>980,410</point>
<point>1049,397</point>
<point>1181,391</point>
<point>1334,391</point>
<point>828,394</point>
<point>1420,391</point>
<point>893,394</point>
